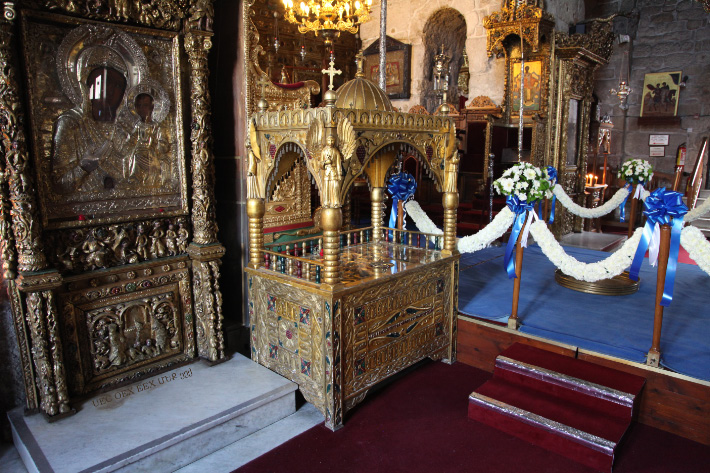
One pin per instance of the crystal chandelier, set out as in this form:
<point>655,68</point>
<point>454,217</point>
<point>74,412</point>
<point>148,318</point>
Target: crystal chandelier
<point>324,16</point>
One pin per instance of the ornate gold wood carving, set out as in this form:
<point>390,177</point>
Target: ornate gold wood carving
<point>567,64</point>
<point>85,249</point>
<point>159,14</point>
<point>576,59</point>
<point>197,45</point>
<point>336,346</point>
<point>79,329</point>
<point>482,102</point>
<point>125,323</point>
<point>515,17</point>
<point>290,203</point>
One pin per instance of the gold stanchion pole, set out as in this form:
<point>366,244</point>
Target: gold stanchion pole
<point>632,214</point>
<point>513,319</point>
<point>654,354</point>
<point>400,214</point>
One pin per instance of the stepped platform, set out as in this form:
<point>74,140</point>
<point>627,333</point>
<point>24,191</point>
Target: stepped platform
<point>160,424</point>
<point>571,407</point>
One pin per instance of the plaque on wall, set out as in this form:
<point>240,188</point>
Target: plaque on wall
<point>106,120</point>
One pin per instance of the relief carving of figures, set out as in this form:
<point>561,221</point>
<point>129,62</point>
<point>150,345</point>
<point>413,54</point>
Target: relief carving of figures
<point>157,13</point>
<point>103,247</point>
<point>332,163</point>
<point>127,333</point>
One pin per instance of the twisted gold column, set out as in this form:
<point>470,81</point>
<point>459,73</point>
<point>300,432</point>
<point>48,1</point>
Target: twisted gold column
<point>331,221</point>
<point>450,201</point>
<point>255,212</point>
<point>377,197</point>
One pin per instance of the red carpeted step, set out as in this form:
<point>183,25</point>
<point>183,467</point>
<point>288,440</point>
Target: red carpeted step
<point>567,406</point>
<point>574,444</point>
<point>589,385</point>
<point>598,374</point>
<point>565,412</point>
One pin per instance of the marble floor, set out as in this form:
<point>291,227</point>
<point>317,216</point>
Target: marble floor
<point>222,461</point>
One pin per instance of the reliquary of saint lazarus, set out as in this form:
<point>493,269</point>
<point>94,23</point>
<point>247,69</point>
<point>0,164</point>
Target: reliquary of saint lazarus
<point>338,313</point>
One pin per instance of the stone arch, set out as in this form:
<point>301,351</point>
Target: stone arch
<point>445,26</point>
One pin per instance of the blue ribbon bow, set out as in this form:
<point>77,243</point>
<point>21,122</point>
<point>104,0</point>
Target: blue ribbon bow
<point>552,177</point>
<point>520,208</point>
<point>622,207</point>
<point>401,186</point>
<point>661,208</point>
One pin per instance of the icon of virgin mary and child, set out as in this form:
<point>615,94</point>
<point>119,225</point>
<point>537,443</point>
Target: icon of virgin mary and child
<point>113,137</point>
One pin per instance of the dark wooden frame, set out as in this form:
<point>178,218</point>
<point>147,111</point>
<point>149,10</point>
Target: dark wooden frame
<point>393,45</point>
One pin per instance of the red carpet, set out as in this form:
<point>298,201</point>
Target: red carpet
<point>419,423</point>
<point>572,407</point>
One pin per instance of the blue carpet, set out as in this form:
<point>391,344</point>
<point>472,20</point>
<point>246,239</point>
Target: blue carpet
<point>620,326</point>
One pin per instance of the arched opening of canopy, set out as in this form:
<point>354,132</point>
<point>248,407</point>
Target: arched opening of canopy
<point>386,160</point>
<point>291,196</point>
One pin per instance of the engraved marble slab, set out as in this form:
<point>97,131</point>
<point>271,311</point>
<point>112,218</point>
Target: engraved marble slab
<point>159,424</point>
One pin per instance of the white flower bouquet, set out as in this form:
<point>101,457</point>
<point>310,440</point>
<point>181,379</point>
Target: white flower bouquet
<point>527,182</point>
<point>636,171</point>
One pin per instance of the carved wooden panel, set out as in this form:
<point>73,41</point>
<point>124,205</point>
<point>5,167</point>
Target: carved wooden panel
<point>393,325</point>
<point>122,324</point>
<point>100,244</point>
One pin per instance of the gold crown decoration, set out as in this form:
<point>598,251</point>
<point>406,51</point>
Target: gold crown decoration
<point>101,56</point>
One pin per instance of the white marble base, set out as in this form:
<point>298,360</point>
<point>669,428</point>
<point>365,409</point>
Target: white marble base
<point>161,424</point>
<point>247,449</point>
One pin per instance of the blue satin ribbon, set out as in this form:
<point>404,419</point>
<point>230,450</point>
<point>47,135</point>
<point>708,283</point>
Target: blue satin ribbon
<point>401,186</point>
<point>552,177</point>
<point>622,207</point>
<point>520,208</point>
<point>662,208</point>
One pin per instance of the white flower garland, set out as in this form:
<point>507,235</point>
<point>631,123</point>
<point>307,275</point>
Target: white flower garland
<point>609,267</point>
<point>698,212</point>
<point>584,212</point>
<point>471,243</point>
<point>492,231</point>
<point>421,219</point>
<point>697,246</point>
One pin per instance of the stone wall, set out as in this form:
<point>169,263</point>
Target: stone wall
<point>670,35</point>
<point>406,21</point>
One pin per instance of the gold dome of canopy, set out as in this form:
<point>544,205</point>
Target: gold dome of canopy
<point>362,94</point>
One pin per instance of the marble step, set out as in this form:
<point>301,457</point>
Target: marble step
<point>160,424</point>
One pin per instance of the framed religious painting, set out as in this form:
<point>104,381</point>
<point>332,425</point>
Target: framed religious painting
<point>532,86</point>
<point>660,94</point>
<point>397,67</point>
<point>106,120</point>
